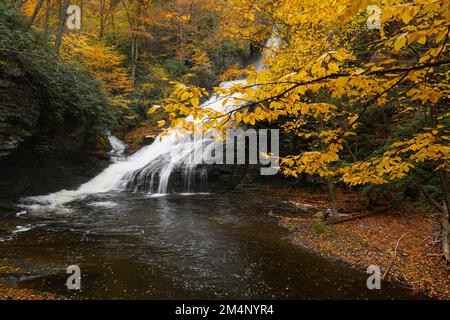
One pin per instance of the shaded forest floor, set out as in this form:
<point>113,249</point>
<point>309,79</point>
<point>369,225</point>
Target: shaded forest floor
<point>371,240</point>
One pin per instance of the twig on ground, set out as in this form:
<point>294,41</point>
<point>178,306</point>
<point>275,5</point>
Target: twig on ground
<point>393,257</point>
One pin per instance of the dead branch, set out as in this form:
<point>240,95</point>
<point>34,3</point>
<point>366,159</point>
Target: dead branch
<point>393,256</point>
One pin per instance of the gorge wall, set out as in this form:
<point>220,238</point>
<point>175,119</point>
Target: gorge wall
<point>36,156</point>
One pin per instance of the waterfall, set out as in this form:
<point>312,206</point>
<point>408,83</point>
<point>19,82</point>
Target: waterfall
<point>151,167</point>
<point>118,147</point>
<point>271,45</point>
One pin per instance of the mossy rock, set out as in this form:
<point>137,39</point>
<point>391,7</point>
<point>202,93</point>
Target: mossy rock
<point>18,132</point>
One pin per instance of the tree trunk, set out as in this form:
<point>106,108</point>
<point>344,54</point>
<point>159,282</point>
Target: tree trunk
<point>134,46</point>
<point>445,191</point>
<point>445,215</point>
<point>103,18</point>
<point>332,194</point>
<point>62,22</point>
<point>35,13</point>
<point>113,27</point>
<point>444,235</point>
<point>47,19</point>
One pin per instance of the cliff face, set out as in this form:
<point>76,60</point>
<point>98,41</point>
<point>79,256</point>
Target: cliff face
<point>35,156</point>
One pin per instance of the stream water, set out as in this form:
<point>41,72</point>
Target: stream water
<point>134,245</point>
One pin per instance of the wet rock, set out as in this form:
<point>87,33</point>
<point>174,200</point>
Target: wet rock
<point>33,151</point>
<point>149,139</point>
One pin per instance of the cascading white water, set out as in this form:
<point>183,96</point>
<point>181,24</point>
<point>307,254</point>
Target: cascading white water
<point>154,162</point>
<point>117,146</point>
<point>273,43</point>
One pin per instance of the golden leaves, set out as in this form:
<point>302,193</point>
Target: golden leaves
<point>332,68</point>
<point>317,87</point>
<point>400,41</point>
<point>153,109</point>
<point>425,94</point>
<point>409,13</point>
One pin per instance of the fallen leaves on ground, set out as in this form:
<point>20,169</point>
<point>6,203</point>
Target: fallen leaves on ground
<point>372,240</point>
<point>24,294</point>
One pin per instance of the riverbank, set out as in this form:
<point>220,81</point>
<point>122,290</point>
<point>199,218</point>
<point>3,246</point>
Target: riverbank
<point>371,240</point>
<point>8,293</point>
<point>267,265</point>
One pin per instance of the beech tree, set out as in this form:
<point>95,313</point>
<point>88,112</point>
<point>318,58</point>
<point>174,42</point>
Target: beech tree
<point>328,75</point>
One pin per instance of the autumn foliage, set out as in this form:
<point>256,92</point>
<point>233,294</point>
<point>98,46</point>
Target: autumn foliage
<point>327,79</point>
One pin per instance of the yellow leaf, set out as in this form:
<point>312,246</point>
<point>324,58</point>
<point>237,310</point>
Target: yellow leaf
<point>388,61</point>
<point>186,17</point>
<point>238,117</point>
<point>195,102</point>
<point>440,36</point>
<point>422,39</point>
<point>408,15</point>
<point>400,42</point>
<point>333,67</point>
<point>185,96</point>
<point>224,102</point>
<point>153,109</point>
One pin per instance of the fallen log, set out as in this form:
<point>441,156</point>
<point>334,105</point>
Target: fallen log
<point>356,216</point>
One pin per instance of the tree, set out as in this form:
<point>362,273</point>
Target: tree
<point>331,73</point>
<point>35,13</point>
<point>103,60</point>
<point>63,5</point>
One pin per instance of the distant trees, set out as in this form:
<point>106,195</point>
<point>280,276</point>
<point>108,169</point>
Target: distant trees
<point>132,45</point>
<point>71,90</point>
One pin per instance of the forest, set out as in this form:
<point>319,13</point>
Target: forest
<point>98,99</point>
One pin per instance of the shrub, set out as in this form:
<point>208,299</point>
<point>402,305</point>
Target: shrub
<point>72,91</point>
